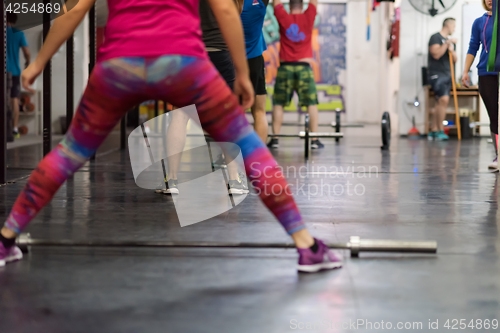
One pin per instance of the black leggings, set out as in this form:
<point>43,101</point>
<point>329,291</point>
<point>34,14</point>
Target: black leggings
<point>488,89</point>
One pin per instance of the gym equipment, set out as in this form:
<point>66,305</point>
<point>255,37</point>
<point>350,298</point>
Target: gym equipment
<point>355,244</point>
<point>454,86</point>
<point>25,98</point>
<point>413,133</point>
<point>23,130</point>
<point>308,135</point>
<point>386,131</point>
<point>30,107</point>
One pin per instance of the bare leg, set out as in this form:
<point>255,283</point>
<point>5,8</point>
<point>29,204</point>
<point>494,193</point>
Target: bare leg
<point>176,140</point>
<point>313,118</point>
<point>15,112</point>
<point>259,117</point>
<point>303,239</point>
<point>277,118</point>
<point>441,112</point>
<point>494,138</point>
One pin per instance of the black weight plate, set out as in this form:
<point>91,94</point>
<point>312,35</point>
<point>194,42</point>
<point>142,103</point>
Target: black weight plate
<point>386,130</point>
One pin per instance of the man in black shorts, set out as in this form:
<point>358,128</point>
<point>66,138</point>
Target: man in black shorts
<point>252,18</point>
<point>439,72</point>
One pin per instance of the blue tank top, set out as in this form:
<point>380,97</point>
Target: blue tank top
<point>252,17</point>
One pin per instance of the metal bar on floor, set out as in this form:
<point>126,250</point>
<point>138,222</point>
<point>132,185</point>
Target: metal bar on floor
<point>355,244</point>
<point>70,80</point>
<point>3,98</point>
<point>47,89</point>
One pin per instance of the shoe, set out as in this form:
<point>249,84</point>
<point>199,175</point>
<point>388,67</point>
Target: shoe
<point>171,187</point>
<point>273,144</point>
<point>16,134</point>
<point>310,262</point>
<point>316,144</point>
<point>431,136</point>
<point>237,187</point>
<point>9,255</point>
<point>494,164</point>
<point>220,163</point>
<point>440,136</point>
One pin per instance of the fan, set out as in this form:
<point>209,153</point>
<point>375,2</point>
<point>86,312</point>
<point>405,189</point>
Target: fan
<point>432,7</point>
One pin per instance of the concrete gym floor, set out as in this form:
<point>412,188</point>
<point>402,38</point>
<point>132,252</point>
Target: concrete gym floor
<point>419,190</point>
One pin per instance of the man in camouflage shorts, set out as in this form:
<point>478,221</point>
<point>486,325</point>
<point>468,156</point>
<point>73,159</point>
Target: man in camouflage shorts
<point>295,73</point>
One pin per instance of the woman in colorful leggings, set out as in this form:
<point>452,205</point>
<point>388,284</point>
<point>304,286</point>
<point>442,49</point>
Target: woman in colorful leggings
<point>153,51</point>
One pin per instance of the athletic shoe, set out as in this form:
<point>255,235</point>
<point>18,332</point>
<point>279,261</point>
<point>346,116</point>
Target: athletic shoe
<point>324,258</point>
<point>316,144</point>
<point>440,136</point>
<point>432,136</point>
<point>273,144</point>
<point>494,164</point>
<point>9,255</point>
<point>237,187</point>
<point>16,134</point>
<point>171,187</point>
<point>220,163</point>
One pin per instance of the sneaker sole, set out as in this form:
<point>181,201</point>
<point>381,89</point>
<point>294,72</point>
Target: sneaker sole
<point>17,257</point>
<point>170,191</point>
<point>318,267</point>
<point>233,191</point>
<point>8,259</point>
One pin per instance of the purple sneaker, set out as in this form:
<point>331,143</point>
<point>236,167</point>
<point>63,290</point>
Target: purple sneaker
<point>9,255</point>
<point>311,262</point>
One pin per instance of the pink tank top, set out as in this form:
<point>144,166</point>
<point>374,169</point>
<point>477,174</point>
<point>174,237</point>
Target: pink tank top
<point>151,28</point>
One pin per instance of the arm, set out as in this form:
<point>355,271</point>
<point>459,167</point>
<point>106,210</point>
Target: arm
<point>232,30</point>
<point>64,26</point>
<point>27,55</point>
<point>469,59</point>
<point>276,3</point>
<point>437,51</point>
<point>313,2</point>
<point>239,5</point>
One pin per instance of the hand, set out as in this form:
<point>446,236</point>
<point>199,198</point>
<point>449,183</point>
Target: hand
<point>465,80</point>
<point>453,40</point>
<point>451,48</point>
<point>29,75</point>
<point>243,88</point>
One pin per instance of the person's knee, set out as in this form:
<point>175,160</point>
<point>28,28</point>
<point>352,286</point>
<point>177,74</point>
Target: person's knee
<point>444,100</point>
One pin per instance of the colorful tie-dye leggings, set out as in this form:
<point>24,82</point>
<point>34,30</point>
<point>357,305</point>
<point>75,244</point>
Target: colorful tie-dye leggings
<point>118,85</point>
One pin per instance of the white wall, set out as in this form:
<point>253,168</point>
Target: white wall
<point>372,78</point>
<point>416,29</point>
